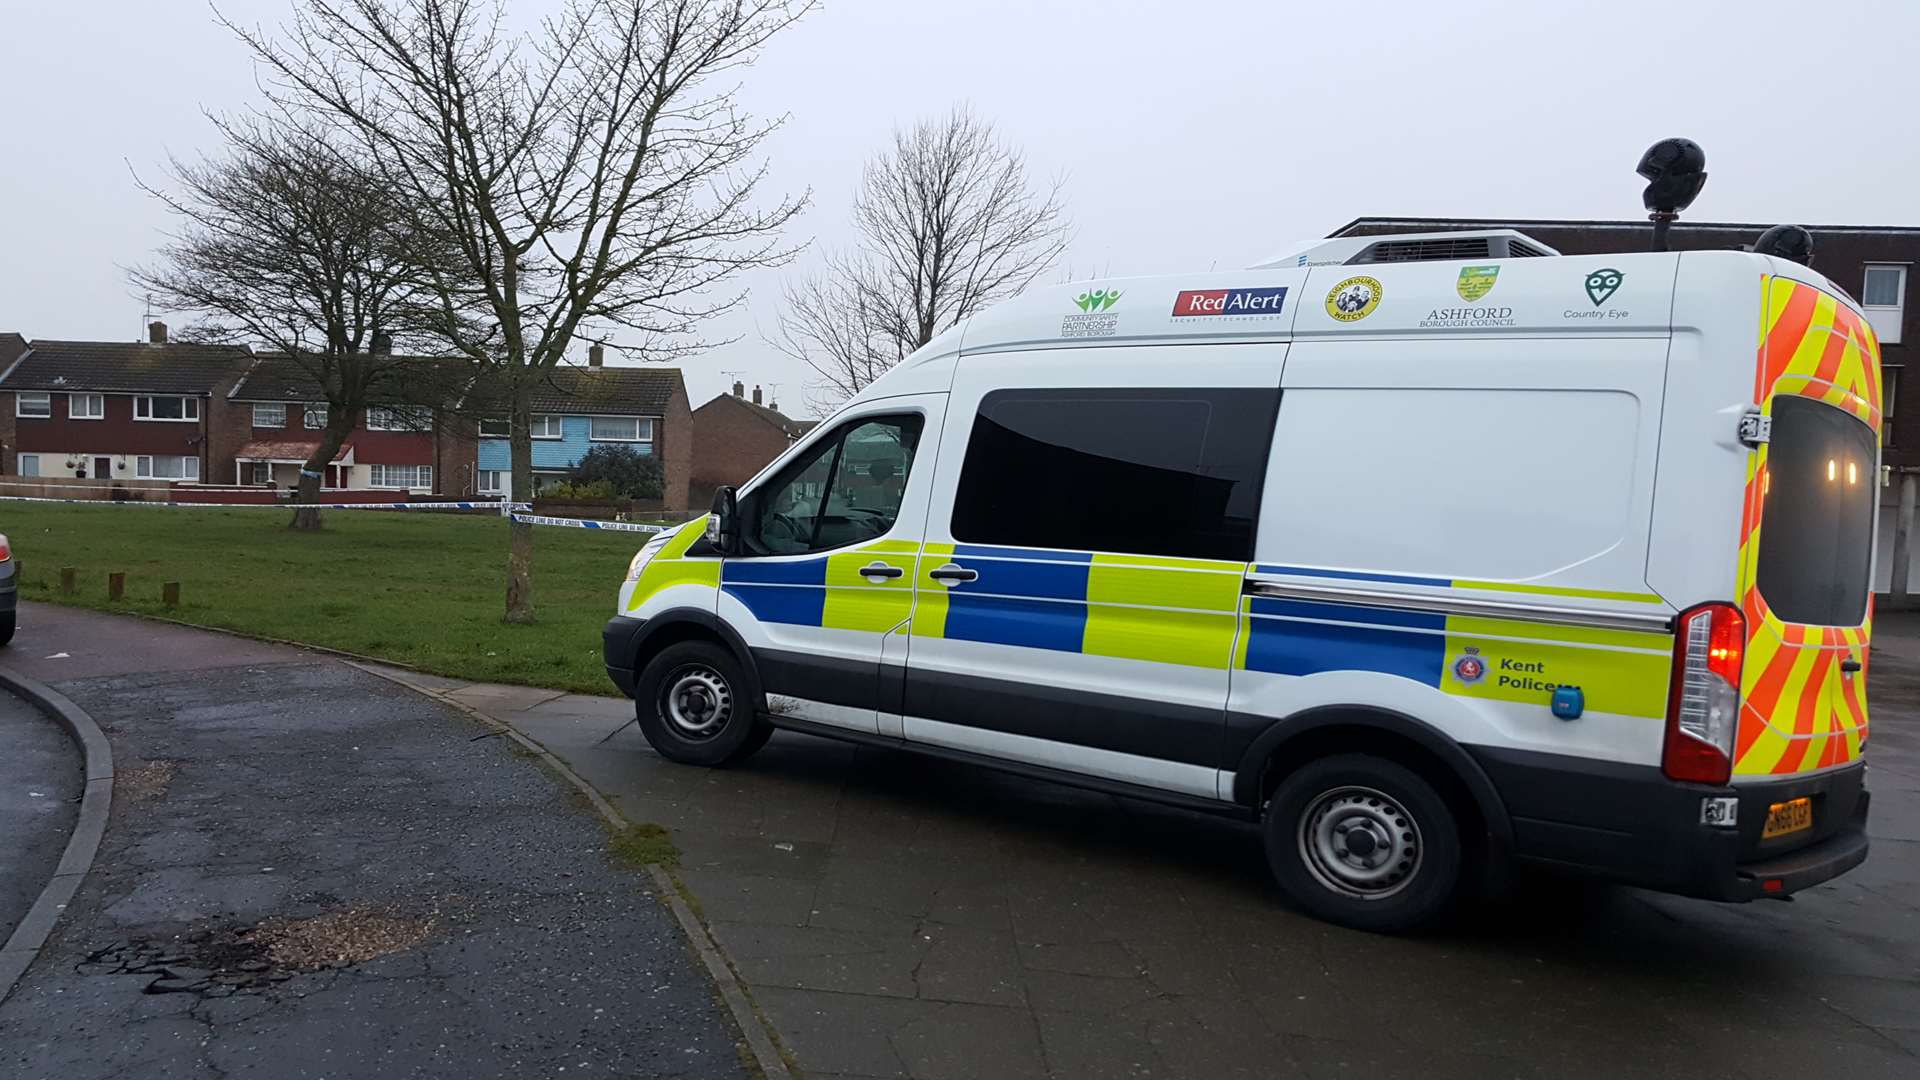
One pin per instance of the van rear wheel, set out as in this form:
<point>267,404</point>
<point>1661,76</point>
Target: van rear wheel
<point>691,706</point>
<point>1364,842</point>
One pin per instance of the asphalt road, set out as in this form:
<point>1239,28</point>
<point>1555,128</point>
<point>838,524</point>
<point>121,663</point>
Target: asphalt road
<point>901,916</point>
<point>311,872</point>
<point>40,779</point>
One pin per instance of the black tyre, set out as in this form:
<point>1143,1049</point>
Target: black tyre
<point>694,707</point>
<point>6,627</point>
<point>1364,842</point>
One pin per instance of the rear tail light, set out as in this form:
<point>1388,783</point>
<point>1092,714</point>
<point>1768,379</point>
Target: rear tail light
<point>1703,708</point>
<point>6,549</point>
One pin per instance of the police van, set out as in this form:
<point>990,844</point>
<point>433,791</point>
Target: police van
<point>1427,553</point>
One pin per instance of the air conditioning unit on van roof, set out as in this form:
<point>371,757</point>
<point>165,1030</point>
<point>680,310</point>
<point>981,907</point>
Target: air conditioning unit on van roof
<point>1463,246</point>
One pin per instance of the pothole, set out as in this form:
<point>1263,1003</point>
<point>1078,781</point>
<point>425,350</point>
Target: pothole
<point>218,961</point>
<point>147,780</point>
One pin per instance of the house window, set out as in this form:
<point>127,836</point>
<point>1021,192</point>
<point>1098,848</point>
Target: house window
<point>263,472</point>
<point>633,429</point>
<point>1883,296</point>
<point>411,419</point>
<point>316,417</point>
<point>546,427</point>
<point>33,404</point>
<point>86,406</point>
<point>166,467</point>
<point>29,465</point>
<point>270,414</point>
<point>495,429</point>
<point>176,409</point>
<point>401,476</point>
<point>492,481</point>
<point>1889,403</point>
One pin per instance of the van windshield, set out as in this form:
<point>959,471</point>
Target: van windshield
<point>1816,525</point>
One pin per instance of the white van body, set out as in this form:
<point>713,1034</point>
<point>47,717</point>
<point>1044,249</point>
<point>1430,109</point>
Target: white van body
<point>1179,536</point>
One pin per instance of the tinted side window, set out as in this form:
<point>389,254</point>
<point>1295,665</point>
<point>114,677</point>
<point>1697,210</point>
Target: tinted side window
<point>846,488</point>
<point>1816,526</point>
<point>1147,472</point>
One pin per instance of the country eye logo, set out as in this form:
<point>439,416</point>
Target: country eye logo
<point>1097,300</point>
<point>1354,299</point>
<point>1602,284</point>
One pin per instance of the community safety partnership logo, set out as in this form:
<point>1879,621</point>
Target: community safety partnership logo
<point>1096,317</point>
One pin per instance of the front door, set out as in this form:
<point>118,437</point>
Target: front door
<point>823,587</point>
<point>103,468</point>
<point>1080,586</point>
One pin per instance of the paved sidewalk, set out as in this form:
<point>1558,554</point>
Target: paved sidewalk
<point>312,872</point>
<point>40,784</point>
<point>900,916</point>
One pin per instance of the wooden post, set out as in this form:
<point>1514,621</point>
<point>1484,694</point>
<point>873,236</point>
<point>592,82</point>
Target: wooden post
<point>170,594</point>
<point>116,584</point>
<point>66,579</point>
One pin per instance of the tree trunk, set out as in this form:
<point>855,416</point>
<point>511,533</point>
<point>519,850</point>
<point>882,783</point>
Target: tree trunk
<point>520,489</point>
<point>306,516</point>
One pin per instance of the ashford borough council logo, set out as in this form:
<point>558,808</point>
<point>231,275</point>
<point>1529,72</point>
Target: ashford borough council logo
<point>1476,281</point>
<point>1602,284</point>
<point>1354,299</point>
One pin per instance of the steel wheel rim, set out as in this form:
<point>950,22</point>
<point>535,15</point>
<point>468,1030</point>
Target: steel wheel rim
<point>696,702</point>
<point>1360,842</point>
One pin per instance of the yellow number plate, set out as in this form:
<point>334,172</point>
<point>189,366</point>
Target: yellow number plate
<point>1788,817</point>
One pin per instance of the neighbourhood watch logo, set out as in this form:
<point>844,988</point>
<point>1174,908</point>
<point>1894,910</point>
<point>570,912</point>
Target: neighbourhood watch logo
<point>1096,318</point>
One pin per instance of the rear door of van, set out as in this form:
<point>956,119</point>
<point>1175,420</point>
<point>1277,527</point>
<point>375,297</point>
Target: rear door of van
<point>1806,538</point>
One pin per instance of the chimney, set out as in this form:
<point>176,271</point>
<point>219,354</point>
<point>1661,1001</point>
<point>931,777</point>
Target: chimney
<point>596,356</point>
<point>382,344</point>
<point>739,388</point>
<point>157,333</point>
<point>756,395</point>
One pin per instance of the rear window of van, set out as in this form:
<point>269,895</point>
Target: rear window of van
<point>1816,521</point>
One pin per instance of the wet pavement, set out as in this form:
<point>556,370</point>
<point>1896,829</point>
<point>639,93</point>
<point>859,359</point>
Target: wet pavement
<point>312,872</point>
<point>901,916</point>
<point>40,783</point>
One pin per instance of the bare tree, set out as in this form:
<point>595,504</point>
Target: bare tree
<point>287,242</point>
<point>595,173</point>
<point>948,224</point>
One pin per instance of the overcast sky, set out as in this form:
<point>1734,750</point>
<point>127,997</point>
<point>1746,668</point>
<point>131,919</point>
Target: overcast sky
<point>1189,134</point>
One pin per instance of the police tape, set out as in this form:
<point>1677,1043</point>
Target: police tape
<point>492,506</point>
<point>579,523</point>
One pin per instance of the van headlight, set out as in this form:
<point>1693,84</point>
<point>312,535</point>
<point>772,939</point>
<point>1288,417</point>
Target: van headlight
<point>645,555</point>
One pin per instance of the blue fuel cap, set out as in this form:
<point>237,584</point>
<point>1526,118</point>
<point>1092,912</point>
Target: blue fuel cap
<point>1569,702</point>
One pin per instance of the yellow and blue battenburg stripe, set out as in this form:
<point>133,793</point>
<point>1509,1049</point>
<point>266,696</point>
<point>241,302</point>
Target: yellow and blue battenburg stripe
<point>827,590</point>
<point>1618,671</point>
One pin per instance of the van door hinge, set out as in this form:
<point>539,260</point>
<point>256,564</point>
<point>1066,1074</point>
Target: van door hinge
<point>1755,429</point>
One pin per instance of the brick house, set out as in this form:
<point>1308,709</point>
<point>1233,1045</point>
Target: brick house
<point>413,441</point>
<point>109,410</point>
<point>577,407</point>
<point>734,438</point>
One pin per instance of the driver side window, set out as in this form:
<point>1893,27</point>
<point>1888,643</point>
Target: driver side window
<point>845,489</point>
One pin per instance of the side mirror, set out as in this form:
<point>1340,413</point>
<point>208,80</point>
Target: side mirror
<point>723,525</point>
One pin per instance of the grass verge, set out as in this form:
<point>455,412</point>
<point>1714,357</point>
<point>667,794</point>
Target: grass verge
<point>425,590</point>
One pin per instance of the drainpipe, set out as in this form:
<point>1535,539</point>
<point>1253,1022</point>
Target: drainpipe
<point>1903,540</point>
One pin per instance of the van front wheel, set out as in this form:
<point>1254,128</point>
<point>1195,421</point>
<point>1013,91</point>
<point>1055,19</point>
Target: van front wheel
<point>691,707</point>
<point>1364,842</point>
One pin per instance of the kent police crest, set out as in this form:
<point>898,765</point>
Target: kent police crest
<point>1476,281</point>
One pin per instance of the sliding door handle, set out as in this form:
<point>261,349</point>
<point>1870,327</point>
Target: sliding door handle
<point>952,573</point>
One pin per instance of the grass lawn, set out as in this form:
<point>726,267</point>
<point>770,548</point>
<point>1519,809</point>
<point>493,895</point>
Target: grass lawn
<point>425,589</point>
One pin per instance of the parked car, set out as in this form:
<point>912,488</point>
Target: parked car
<point>9,590</point>
<point>1420,565</point>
